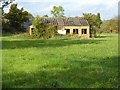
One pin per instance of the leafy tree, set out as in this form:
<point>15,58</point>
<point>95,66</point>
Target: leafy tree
<point>105,26</point>
<point>42,30</point>
<point>98,23</point>
<point>94,22</point>
<point>3,3</point>
<point>113,23</point>
<point>110,26</point>
<point>38,27</point>
<point>16,16</point>
<point>98,20</point>
<point>57,11</point>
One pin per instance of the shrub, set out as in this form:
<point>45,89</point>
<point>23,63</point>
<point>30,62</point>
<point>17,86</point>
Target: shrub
<point>7,28</point>
<point>50,31</point>
<point>41,30</point>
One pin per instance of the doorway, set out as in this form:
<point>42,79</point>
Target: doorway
<point>67,31</point>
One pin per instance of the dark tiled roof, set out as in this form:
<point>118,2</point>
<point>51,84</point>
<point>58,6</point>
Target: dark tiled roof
<point>71,21</point>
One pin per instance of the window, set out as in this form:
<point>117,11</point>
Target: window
<point>67,31</point>
<point>75,31</point>
<point>84,31</point>
<point>32,29</point>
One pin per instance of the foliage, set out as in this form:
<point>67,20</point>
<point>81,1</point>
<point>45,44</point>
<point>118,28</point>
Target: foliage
<point>94,22</point>
<point>45,16</point>
<point>42,30</point>
<point>37,23</point>
<point>60,63</point>
<point>50,31</point>
<point>110,26</point>
<point>5,3</point>
<point>105,26</point>
<point>57,11</point>
<point>7,28</point>
<point>16,16</point>
<point>38,27</point>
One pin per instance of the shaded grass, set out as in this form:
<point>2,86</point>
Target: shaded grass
<point>65,62</point>
<point>45,43</point>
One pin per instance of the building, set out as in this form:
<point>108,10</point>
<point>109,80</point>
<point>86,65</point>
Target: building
<point>71,25</point>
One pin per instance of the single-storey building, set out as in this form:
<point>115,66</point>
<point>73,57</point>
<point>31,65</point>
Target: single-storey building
<point>68,25</point>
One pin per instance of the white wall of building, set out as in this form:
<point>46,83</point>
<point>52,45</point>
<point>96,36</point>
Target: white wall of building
<point>63,32</point>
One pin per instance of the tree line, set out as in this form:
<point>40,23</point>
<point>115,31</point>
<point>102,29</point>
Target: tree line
<point>15,18</point>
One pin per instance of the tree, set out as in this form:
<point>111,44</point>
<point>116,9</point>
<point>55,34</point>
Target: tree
<point>98,20</point>
<point>41,30</point>
<point>3,3</point>
<point>105,26</point>
<point>16,16</point>
<point>98,23</point>
<point>57,11</point>
<point>37,22</point>
<point>110,26</point>
<point>94,22</point>
<point>113,23</point>
<point>38,27</point>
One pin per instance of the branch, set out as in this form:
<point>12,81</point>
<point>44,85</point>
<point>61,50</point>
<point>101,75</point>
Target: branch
<point>5,3</point>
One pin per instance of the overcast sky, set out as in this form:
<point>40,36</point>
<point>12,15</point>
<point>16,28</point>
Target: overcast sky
<point>107,8</point>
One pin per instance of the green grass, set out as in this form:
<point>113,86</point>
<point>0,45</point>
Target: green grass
<point>61,62</point>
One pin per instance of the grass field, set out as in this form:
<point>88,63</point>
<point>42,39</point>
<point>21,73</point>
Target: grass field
<point>61,62</point>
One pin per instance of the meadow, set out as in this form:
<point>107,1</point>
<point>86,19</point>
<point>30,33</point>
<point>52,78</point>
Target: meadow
<point>60,62</point>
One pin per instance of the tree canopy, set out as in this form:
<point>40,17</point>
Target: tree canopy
<point>16,16</point>
<point>57,11</point>
<point>94,22</point>
<point>42,30</point>
<point>110,26</point>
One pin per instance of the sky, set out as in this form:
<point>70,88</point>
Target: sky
<point>107,8</point>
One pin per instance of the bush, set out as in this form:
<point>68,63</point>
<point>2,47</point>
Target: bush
<point>45,32</point>
<point>7,28</point>
<point>41,30</point>
<point>50,31</point>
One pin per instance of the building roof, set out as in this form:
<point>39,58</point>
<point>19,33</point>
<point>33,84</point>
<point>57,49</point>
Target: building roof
<point>66,21</point>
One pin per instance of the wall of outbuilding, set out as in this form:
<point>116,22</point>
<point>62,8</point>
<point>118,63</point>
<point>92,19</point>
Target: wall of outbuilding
<point>76,27</point>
